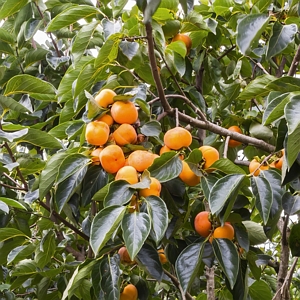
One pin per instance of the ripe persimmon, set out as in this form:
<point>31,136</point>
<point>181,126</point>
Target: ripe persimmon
<point>210,155</point>
<point>184,38</point>
<point>127,173</point>
<point>165,149</point>
<point>112,158</point>
<point>125,134</point>
<point>162,257</point>
<point>106,119</point>
<point>188,176</point>
<point>141,159</point>
<point>124,112</point>
<point>153,190</point>
<point>95,156</point>
<point>105,97</point>
<point>233,143</point>
<point>202,224</point>
<point>96,133</point>
<point>278,163</point>
<point>177,138</point>
<point>130,292</point>
<point>255,166</point>
<point>224,232</point>
<point>124,256</point>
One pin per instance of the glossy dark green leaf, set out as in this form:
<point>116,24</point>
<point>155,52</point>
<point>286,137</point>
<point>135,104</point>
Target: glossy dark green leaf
<point>10,103</point>
<point>95,179</point>
<point>48,175</point>
<point>257,87</point>
<point>158,213</point>
<point>110,277</point>
<point>241,235</point>
<point>68,187</point>
<point>81,41</point>
<point>31,85</point>
<point>226,166</point>
<point>150,9</point>
<point>6,36</point>
<point>104,224</point>
<point>30,164</point>
<point>222,7</point>
<point>70,16</point>
<point>151,128</point>
<point>35,55</point>
<point>55,60</point>
<point>166,167</point>
<point>262,192</point>
<point>207,182</point>
<point>149,259</point>
<point>107,53</point>
<point>41,139</point>
<point>70,165</point>
<point>129,49</point>
<point>193,161</point>
<point>275,108</point>
<point>20,253</point>
<point>249,31</point>
<point>294,240</point>
<point>13,203</point>
<point>260,290</point>
<point>136,227</point>
<point>25,267</point>
<point>224,188</point>
<point>46,250</point>
<point>31,28</point>
<point>228,258</point>
<point>285,84</point>
<point>282,36</point>
<point>9,233</point>
<point>290,203</point>
<point>188,263</point>
<point>10,7</point>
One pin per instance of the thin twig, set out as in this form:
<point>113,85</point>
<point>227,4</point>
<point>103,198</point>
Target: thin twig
<point>176,117</point>
<point>226,146</point>
<point>259,65</point>
<point>226,52</point>
<point>295,63</point>
<point>12,187</point>
<point>12,180</point>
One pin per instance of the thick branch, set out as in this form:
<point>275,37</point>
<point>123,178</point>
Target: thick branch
<point>295,63</point>
<point>65,222</point>
<point>155,73</point>
<point>210,285</point>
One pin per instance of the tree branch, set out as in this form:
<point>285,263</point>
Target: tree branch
<point>210,284</point>
<point>295,63</point>
<point>155,74</point>
<point>65,222</point>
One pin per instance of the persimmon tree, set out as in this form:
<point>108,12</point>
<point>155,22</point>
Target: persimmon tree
<point>71,229</point>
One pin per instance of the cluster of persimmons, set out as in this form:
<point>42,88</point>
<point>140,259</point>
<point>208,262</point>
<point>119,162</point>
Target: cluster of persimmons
<point>115,129</point>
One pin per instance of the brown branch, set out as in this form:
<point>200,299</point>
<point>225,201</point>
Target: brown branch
<point>295,63</point>
<point>65,222</point>
<point>176,283</point>
<point>12,187</point>
<point>12,180</point>
<point>226,146</point>
<point>279,71</point>
<point>226,52</point>
<point>210,283</point>
<point>154,70</point>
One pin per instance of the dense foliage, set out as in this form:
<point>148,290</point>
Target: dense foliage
<point>64,217</point>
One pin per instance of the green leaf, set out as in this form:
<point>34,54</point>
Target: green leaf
<point>95,179</point>
<point>5,48</point>
<point>222,7</point>
<point>166,167</point>
<point>263,195</point>
<point>286,84</point>
<point>291,204</point>
<point>225,188</point>
<point>136,227</point>
<point>104,224</point>
<point>275,108</point>
<point>4,208</point>
<point>227,255</point>
<point>226,166</point>
<point>150,9</point>
<point>46,250</point>
<point>188,263</point>
<point>249,31</point>
<point>281,37</point>
<point>70,16</point>
<point>110,276</point>
<point>11,136</point>
<point>35,87</point>
<point>151,128</point>
<point>108,52</point>
<point>41,139</point>
<point>30,164</point>
<point>193,161</point>
<point>158,213</point>
<point>31,28</point>
<point>260,290</point>
<point>70,165</point>
<point>9,7</point>
<point>6,36</point>
<point>129,49</point>
<point>256,233</point>
<point>257,87</point>
<point>19,253</point>
<point>68,187</point>
<point>10,103</point>
<point>294,240</point>
<point>25,267</point>
<point>81,41</point>
<point>10,233</point>
<point>149,258</point>
<point>13,203</point>
<point>48,175</point>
